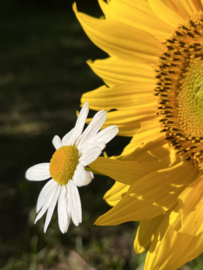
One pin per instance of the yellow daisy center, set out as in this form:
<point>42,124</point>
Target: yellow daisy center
<point>63,164</point>
<point>180,89</point>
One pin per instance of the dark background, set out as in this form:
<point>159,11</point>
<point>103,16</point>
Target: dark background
<point>43,73</point>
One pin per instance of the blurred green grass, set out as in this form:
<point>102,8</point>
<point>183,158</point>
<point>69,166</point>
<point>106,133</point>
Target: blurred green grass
<point>43,73</point>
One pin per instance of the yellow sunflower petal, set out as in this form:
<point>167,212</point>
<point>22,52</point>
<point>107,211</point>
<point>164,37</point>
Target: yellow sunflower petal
<point>165,13</point>
<point>145,233</point>
<point>114,70</point>
<point>116,193</point>
<point>191,208</point>
<point>177,7</point>
<point>126,172</point>
<point>128,121</point>
<point>142,141</point>
<point>163,159</point>
<point>120,40</point>
<point>138,14</point>
<point>151,195</point>
<point>151,153</point>
<point>121,96</point>
<point>188,7</point>
<point>164,152</point>
<point>171,249</point>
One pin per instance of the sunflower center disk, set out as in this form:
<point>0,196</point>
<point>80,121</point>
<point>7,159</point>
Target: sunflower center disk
<point>180,90</point>
<point>63,164</point>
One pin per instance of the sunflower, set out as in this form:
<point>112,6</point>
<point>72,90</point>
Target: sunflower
<point>153,92</point>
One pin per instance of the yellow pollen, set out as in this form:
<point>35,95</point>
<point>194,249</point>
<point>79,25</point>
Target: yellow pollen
<point>180,91</point>
<point>63,164</point>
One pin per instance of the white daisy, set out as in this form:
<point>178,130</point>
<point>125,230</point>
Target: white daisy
<point>66,169</point>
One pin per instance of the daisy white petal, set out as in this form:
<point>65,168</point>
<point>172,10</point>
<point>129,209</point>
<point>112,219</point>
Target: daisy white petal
<point>106,134</point>
<point>63,217</point>
<point>79,124</point>
<point>88,178</point>
<point>79,175</point>
<point>66,138</point>
<point>75,208</point>
<point>51,208</point>
<point>38,172</point>
<point>96,123</point>
<point>86,147</point>
<point>57,142</point>
<point>82,177</point>
<point>44,193</point>
<point>47,202</point>
<point>90,155</point>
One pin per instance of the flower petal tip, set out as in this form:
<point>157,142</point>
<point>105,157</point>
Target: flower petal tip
<point>74,6</point>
